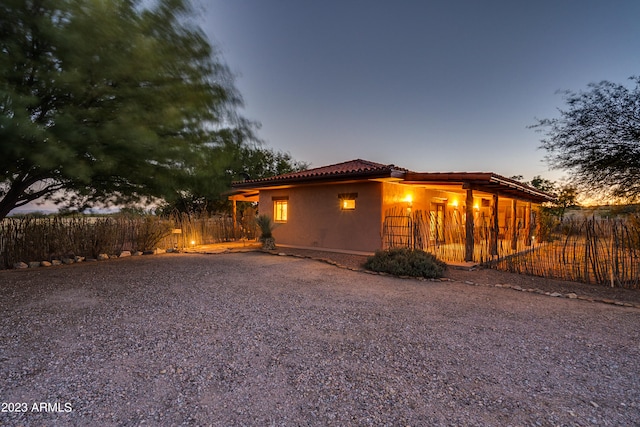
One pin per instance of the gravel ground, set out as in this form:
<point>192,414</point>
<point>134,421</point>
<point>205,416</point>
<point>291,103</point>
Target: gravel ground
<point>485,276</point>
<point>258,340</point>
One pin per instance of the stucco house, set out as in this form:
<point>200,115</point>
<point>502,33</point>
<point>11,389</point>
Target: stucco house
<point>361,206</point>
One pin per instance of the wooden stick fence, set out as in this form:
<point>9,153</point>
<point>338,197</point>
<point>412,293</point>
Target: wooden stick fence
<point>588,250</point>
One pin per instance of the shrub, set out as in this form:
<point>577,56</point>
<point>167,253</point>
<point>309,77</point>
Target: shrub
<point>406,262</point>
<point>266,226</point>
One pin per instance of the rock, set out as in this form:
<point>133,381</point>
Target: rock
<point>124,254</point>
<point>46,264</point>
<point>113,256</point>
<point>148,253</point>
<point>572,295</point>
<point>102,257</point>
<point>269,244</point>
<point>34,264</point>
<point>159,251</point>
<point>91,260</point>
<point>555,294</point>
<point>67,261</point>
<point>516,287</point>
<point>56,262</point>
<point>78,258</point>
<point>20,265</point>
<point>137,253</point>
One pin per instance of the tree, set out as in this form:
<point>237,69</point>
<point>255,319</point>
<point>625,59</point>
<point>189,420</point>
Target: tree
<point>597,138</point>
<point>235,160</point>
<point>107,101</point>
<point>543,184</point>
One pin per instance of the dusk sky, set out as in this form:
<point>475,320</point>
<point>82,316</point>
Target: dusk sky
<point>427,85</point>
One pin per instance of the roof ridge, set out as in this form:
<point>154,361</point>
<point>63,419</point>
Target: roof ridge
<point>336,169</point>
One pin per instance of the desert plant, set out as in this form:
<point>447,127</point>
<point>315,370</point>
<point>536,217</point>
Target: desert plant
<point>265,224</point>
<point>150,231</point>
<point>406,262</point>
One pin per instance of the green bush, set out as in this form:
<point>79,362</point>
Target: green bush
<point>266,227</point>
<point>406,262</point>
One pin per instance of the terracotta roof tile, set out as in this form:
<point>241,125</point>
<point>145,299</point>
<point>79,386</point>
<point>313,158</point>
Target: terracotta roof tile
<point>354,168</point>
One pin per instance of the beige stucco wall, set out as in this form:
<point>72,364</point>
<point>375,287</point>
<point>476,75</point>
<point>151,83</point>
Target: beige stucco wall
<point>316,220</point>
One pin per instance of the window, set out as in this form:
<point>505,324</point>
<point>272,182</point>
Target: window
<point>348,204</point>
<point>348,201</point>
<point>280,208</point>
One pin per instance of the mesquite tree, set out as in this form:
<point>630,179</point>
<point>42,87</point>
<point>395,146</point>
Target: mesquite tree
<point>597,139</point>
<point>107,102</point>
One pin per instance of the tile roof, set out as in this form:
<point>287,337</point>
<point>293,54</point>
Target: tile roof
<point>363,169</point>
<point>352,169</point>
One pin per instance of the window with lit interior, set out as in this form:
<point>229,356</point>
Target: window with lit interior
<point>280,208</point>
<point>348,201</point>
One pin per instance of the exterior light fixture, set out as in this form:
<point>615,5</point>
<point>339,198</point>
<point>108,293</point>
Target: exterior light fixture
<point>408,199</point>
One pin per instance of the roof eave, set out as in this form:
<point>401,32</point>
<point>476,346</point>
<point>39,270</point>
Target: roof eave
<point>312,179</point>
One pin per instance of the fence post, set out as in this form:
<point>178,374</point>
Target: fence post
<point>469,226</point>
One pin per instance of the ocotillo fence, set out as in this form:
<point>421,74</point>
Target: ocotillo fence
<point>32,238</point>
<point>589,250</point>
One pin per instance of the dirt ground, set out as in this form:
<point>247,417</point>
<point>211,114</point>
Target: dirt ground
<point>254,339</point>
<point>484,276</point>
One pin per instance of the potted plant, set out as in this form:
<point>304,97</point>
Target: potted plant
<point>266,230</point>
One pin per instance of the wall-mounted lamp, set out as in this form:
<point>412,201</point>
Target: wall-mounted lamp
<point>408,199</point>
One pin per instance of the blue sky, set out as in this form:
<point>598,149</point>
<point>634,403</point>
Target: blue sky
<point>427,85</point>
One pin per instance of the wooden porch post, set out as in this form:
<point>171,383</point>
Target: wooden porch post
<point>235,219</point>
<point>528,218</point>
<point>469,227</point>
<point>514,225</point>
<point>495,227</point>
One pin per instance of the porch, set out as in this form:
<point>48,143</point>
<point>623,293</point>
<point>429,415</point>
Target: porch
<point>445,233</point>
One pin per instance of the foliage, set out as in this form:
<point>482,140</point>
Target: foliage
<point>406,262</point>
<point>108,102</point>
<point>266,226</point>
<point>149,232</point>
<point>597,138</point>
<point>234,160</point>
<point>543,184</point>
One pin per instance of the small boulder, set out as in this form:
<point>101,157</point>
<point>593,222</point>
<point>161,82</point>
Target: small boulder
<point>124,254</point>
<point>78,258</point>
<point>34,264</point>
<point>102,257</point>
<point>56,262</point>
<point>46,264</point>
<point>20,265</point>
<point>67,261</point>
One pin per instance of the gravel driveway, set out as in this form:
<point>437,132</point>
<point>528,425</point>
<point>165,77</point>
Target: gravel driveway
<point>259,340</point>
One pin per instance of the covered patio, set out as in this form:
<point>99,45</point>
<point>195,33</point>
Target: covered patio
<point>437,207</point>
